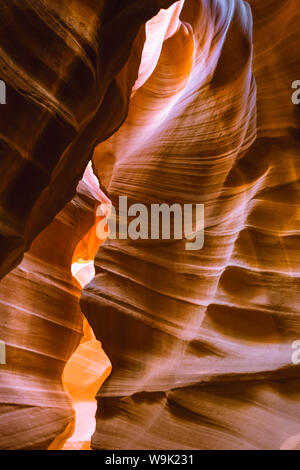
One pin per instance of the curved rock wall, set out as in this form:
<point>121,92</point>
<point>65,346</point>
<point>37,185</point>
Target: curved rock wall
<point>200,341</point>
<point>69,71</point>
<point>41,324</point>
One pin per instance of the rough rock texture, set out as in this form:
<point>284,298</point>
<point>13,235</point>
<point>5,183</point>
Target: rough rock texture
<point>200,342</point>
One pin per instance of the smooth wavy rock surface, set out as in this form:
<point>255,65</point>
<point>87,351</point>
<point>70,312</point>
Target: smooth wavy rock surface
<point>41,324</point>
<point>69,68</point>
<point>200,341</point>
<point>194,107</point>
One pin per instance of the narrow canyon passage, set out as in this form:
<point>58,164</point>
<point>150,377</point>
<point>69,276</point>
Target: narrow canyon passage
<point>201,342</point>
<point>45,360</point>
<point>89,366</point>
<point>163,102</point>
<point>39,339</point>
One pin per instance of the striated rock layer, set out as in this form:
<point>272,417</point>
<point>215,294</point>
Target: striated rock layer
<point>69,71</point>
<point>201,341</point>
<point>41,324</point>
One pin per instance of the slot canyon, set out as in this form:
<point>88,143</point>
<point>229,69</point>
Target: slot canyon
<point>115,343</point>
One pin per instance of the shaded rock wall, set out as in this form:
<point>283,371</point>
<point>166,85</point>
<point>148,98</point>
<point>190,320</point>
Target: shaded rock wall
<point>200,342</point>
<point>41,324</point>
<point>69,71</point>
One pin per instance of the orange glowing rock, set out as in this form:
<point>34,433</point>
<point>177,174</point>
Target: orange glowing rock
<point>83,376</point>
<point>89,366</point>
<point>200,345</point>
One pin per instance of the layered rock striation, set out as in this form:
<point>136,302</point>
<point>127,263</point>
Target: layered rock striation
<point>201,341</point>
<point>193,108</point>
